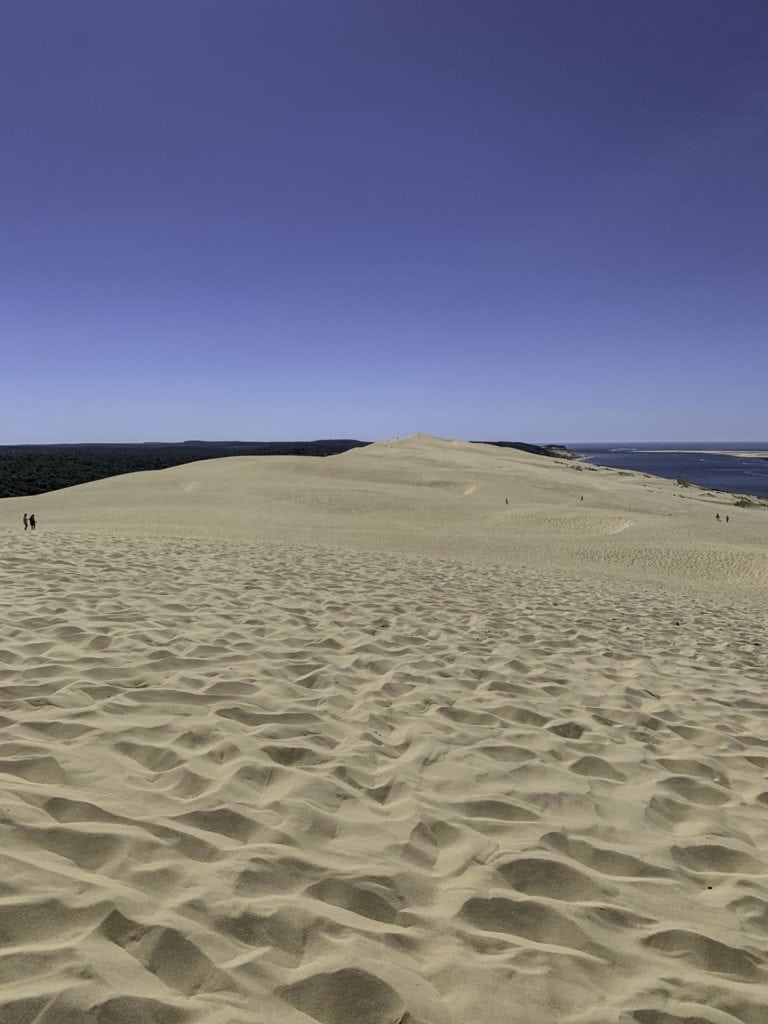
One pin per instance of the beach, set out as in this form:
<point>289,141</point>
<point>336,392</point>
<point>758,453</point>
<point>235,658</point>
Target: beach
<point>746,454</point>
<point>424,732</point>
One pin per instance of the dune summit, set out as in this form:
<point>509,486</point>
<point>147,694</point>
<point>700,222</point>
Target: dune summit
<point>424,495</point>
<point>353,740</point>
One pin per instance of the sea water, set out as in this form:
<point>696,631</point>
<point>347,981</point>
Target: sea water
<point>715,472</point>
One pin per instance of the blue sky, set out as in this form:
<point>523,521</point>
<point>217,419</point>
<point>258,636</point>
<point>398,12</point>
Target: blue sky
<point>277,219</point>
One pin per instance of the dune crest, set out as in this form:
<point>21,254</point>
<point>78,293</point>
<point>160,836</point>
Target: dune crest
<point>426,495</point>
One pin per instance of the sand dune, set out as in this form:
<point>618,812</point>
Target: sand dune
<point>352,740</point>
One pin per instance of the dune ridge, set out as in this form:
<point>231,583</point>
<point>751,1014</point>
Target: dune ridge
<point>352,740</point>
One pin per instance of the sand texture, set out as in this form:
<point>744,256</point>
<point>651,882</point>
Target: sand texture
<point>352,741</point>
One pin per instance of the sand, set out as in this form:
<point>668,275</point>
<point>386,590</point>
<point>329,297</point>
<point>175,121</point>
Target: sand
<point>706,451</point>
<point>351,740</point>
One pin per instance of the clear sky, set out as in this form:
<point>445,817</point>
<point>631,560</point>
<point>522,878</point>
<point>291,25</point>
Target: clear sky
<point>278,219</point>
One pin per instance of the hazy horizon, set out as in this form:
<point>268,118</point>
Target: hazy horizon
<point>508,221</point>
<point>368,440</point>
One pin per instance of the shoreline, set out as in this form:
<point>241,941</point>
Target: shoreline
<point>697,451</point>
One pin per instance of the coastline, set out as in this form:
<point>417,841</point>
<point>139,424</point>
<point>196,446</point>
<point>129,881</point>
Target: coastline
<point>739,471</point>
<point>701,451</point>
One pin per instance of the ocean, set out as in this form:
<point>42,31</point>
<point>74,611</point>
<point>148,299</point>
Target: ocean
<point>715,472</point>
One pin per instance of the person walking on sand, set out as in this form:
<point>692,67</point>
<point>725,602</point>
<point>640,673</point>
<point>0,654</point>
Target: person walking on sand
<point>26,521</point>
<point>32,521</point>
<point>717,516</point>
<point>727,519</point>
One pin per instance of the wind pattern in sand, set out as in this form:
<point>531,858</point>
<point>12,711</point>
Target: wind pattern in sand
<point>258,782</point>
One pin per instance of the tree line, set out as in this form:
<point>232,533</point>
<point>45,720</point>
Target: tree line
<point>37,468</point>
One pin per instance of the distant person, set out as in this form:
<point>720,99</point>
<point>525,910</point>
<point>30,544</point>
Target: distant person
<point>506,501</point>
<point>26,521</point>
<point>32,521</point>
<point>727,519</point>
<point>581,498</point>
<point>717,517</point>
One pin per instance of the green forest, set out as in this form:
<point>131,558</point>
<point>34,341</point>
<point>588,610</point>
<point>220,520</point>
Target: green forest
<point>37,468</point>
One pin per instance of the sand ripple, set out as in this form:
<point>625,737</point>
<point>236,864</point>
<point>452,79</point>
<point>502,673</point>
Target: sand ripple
<point>251,783</point>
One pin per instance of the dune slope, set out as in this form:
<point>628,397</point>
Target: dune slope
<point>352,740</point>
